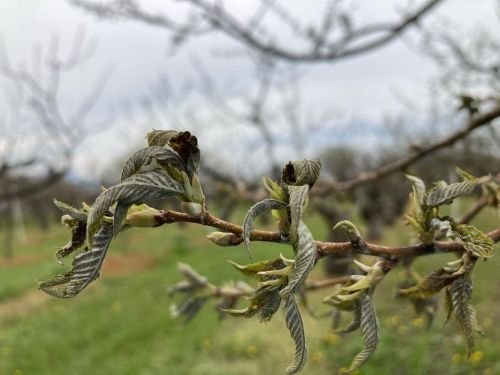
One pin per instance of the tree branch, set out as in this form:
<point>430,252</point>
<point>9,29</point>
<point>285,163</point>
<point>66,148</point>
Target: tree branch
<point>323,248</point>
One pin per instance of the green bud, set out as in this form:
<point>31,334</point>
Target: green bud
<point>144,218</point>
<point>220,238</point>
<point>192,208</point>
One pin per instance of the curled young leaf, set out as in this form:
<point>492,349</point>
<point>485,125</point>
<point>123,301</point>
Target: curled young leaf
<point>254,211</point>
<point>160,137</point>
<point>86,268</point>
<point>144,157</point>
<point>305,258</point>
<point>302,172</point>
<point>419,188</point>
<point>356,319</point>
<point>460,292</point>
<point>296,328</point>
<point>298,198</point>
<point>370,331</point>
<point>78,230</point>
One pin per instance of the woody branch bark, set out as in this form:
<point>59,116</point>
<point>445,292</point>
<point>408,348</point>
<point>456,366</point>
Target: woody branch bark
<point>323,248</point>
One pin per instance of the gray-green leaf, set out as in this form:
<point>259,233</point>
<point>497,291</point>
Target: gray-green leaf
<point>298,196</point>
<point>136,189</point>
<point>143,157</point>
<point>370,331</point>
<point>86,268</point>
<point>305,258</point>
<point>254,211</point>
<point>445,195</point>
<point>460,292</point>
<point>296,328</point>
<point>356,319</point>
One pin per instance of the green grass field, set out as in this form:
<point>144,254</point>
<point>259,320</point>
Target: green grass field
<point>121,324</point>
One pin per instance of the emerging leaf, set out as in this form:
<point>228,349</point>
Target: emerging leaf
<point>144,157</point>
<point>430,286</point>
<point>305,258</point>
<point>275,190</point>
<point>440,195</point>
<point>298,198</point>
<point>136,189</point>
<point>356,319</point>
<point>370,331</point>
<point>296,328</point>
<point>254,211</point>
<point>419,187</point>
<point>255,270</point>
<point>460,292</point>
<point>349,230</point>
<point>160,137</point>
<point>86,268</point>
<point>302,172</point>
<point>473,240</point>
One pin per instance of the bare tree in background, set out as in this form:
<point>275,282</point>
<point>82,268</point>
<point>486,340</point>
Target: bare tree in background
<point>39,133</point>
<point>332,37</point>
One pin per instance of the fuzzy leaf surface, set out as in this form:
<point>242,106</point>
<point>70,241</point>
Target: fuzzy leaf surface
<point>86,268</point>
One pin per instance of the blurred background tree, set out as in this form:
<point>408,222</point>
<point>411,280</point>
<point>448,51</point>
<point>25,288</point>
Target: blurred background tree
<point>374,89</point>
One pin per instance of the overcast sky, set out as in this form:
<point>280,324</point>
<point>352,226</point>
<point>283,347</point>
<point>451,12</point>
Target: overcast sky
<point>358,91</point>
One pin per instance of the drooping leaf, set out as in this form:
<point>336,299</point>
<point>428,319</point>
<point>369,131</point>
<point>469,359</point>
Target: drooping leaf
<point>86,268</point>
<point>136,189</point>
<point>356,319</point>
<point>438,195</point>
<point>473,240</point>
<point>448,305</point>
<point>430,286</point>
<point>302,172</point>
<point>67,209</point>
<point>296,328</point>
<point>460,292</point>
<point>265,301</point>
<point>270,306</point>
<point>305,258</point>
<point>298,197</point>
<point>188,308</point>
<point>370,331</point>
<point>254,211</point>
<point>419,187</point>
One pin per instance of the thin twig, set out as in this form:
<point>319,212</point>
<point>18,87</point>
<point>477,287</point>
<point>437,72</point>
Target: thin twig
<point>323,248</point>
